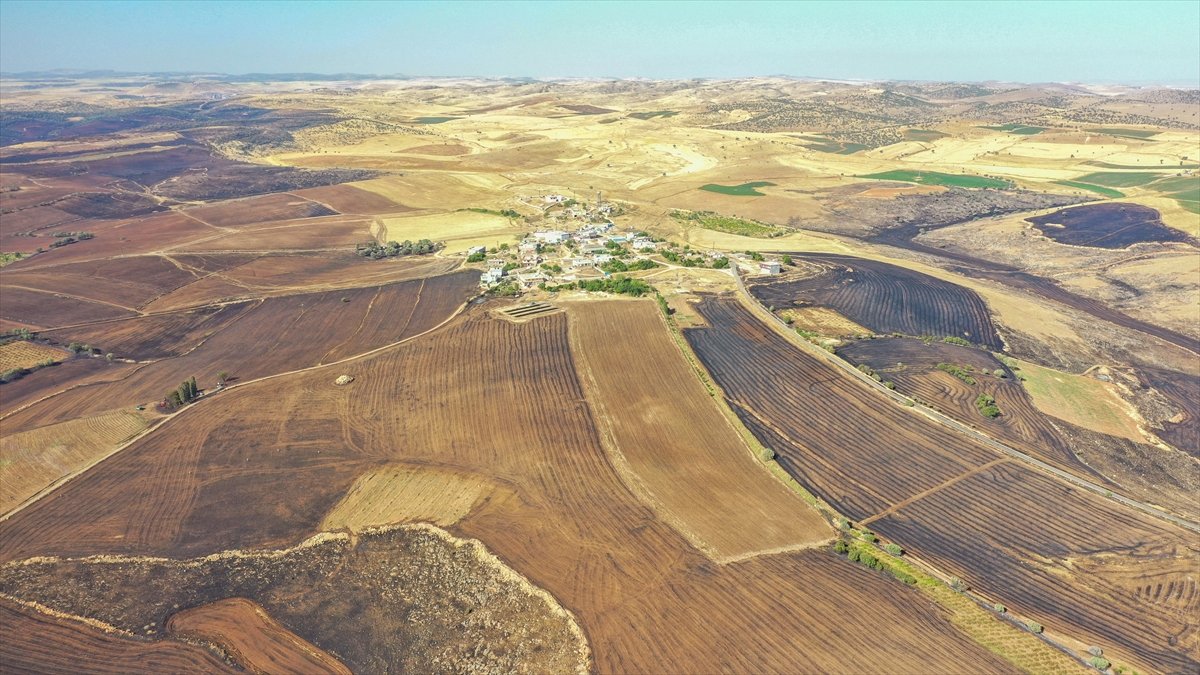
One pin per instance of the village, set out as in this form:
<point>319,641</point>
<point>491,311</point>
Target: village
<point>587,245</point>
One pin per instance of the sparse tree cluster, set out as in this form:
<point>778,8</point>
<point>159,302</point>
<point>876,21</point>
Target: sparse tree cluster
<point>375,250</point>
<point>181,396</point>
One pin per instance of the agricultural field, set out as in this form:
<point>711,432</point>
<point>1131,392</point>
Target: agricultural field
<point>935,178</point>
<point>590,542</point>
<point>973,384</point>
<point>912,490</point>
<point>20,354</point>
<point>884,298</point>
<point>744,190</point>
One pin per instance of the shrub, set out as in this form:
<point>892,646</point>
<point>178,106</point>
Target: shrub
<point>1100,663</point>
<point>1034,626</point>
<point>961,372</point>
<point>954,340</point>
<point>869,537</point>
<point>853,555</point>
<point>1000,608</point>
<point>841,547</point>
<point>905,577</point>
<point>476,257</point>
<point>987,406</point>
<point>894,549</point>
<point>959,585</point>
<point>999,372</point>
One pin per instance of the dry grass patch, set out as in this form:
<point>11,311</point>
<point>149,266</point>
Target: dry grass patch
<point>32,460</point>
<point>823,320</point>
<point>1080,400</point>
<point>404,494</point>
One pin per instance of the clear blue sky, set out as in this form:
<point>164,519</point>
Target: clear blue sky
<point>1095,41</point>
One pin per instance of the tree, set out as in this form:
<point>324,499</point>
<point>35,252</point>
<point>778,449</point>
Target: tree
<point>222,377</point>
<point>787,260</point>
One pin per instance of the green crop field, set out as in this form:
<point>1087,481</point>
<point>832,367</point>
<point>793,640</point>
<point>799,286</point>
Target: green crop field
<point>922,135</point>
<point>743,190</point>
<point>433,120</point>
<point>1107,192</point>
<point>1124,133</point>
<point>1119,179</point>
<point>936,178</point>
<point>1019,129</point>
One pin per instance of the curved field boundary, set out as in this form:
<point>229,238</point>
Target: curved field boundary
<point>258,642</point>
<point>35,642</point>
<point>66,478</point>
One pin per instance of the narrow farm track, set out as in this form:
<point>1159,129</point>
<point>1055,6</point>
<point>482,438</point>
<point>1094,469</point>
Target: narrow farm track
<point>1012,529</point>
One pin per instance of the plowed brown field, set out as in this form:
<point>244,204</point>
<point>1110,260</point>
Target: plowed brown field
<point>261,209</point>
<point>256,641</point>
<point>38,643</point>
<point>489,397</point>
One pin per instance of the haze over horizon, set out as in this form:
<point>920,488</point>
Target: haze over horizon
<point>1138,43</point>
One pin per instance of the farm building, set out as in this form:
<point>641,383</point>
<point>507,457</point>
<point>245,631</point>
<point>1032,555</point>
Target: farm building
<point>551,236</point>
<point>643,244</point>
<point>476,250</point>
<point>491,276</point>
<point>769,267</point>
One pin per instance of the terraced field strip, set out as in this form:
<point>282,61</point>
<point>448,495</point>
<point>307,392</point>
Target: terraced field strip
<point>529,310</point>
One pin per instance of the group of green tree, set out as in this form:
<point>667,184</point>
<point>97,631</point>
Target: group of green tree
<point>181,396</point>
<point>616,265</point>
<point>376,251</point>
<point>618,285</point>
<point>64,238</point>
<point>987,406</point>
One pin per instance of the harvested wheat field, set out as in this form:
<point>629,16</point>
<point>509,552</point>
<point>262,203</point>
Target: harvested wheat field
<point>36,458</point>
<point>671,443</point>
<point>20,354</point>
<point>278,335</point>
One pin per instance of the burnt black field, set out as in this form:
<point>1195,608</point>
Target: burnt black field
<point>887,299</point>
<point>1112,225</point>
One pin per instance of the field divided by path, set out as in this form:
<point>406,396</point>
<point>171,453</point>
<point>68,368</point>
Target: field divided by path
<point>281,334</point>
<point>1013,532</point>
<point>487,397</point>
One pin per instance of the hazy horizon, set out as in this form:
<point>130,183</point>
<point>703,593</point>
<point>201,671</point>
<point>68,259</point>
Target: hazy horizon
<point>1139,44</point>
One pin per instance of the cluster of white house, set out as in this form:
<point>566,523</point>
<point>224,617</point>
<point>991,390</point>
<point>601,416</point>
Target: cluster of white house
<point>585,248</point>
